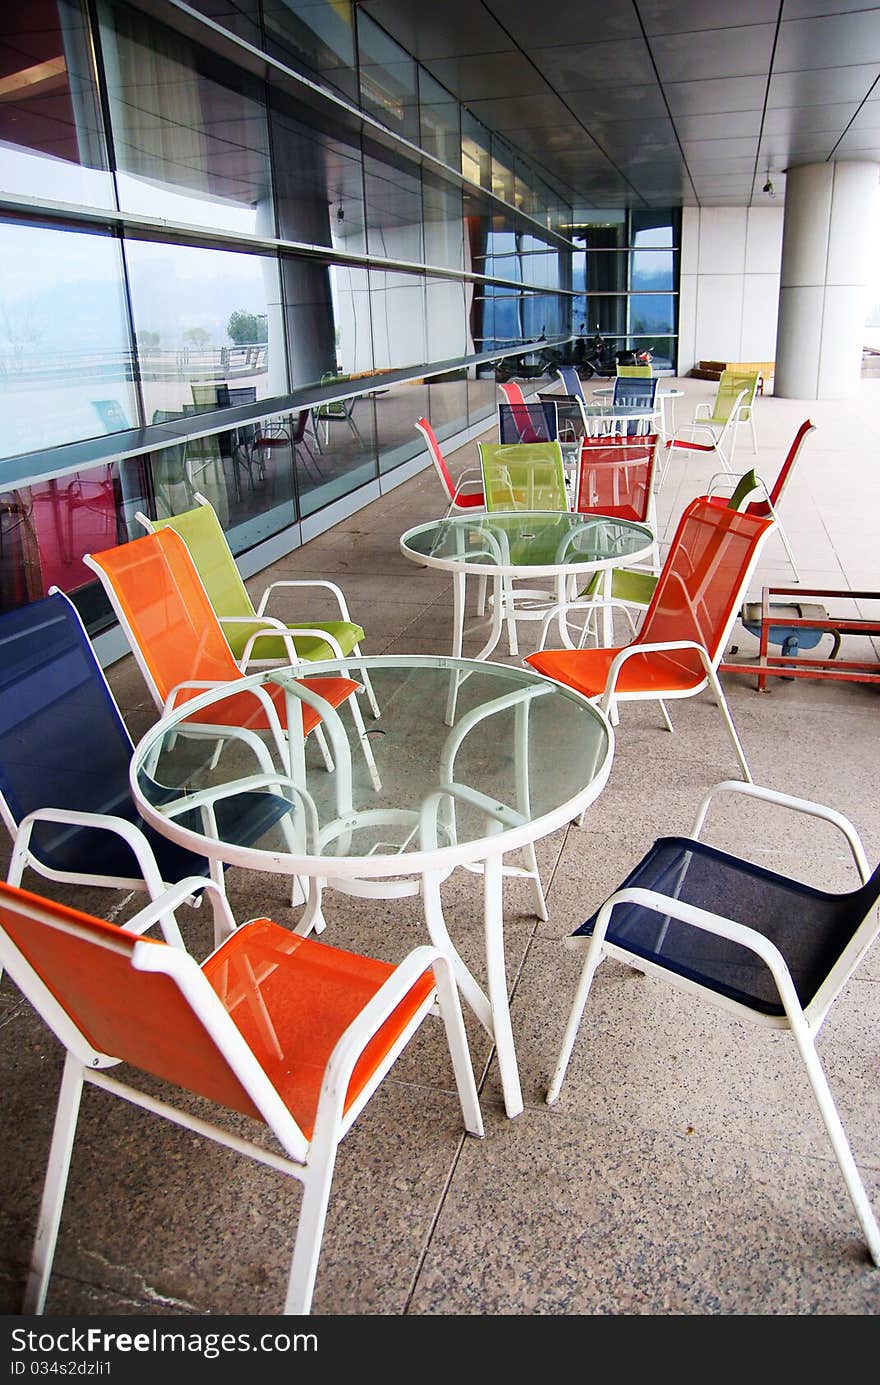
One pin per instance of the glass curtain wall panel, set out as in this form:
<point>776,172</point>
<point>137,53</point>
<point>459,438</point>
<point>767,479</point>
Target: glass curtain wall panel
<point>653,302</point>
<point>476,151</point>
<point>207,322</point>
<point>189,131</point>
<point>337,453</point>
<point>397,408</point>
<point>397,305</point>
<point>447,337</point>
<point>65,346</point>
<point>319,181</point>
<point>352,319</point>
<point>443,222</point>
<point>51,134</point>
<point>393,189</point>
<point>439,121</point>
<point>45,529</point>
<point>315,37</point>
<point>239,17</point>
<point>448,403</point>
<point>388,81</point>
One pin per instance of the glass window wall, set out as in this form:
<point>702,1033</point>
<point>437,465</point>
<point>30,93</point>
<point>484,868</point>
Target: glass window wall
<point>316,38</point>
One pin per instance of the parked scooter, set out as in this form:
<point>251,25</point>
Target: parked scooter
<point>598,359</point>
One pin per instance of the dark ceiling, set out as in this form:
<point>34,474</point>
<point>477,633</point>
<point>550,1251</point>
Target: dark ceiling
<point>657,103</point>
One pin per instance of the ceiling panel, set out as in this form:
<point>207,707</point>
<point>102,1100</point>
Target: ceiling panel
<point>621,101</point>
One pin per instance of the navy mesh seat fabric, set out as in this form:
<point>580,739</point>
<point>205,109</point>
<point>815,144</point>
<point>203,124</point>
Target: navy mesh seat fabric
<point>569,419</point>
<point>527,422</point>
<point>809,926</point>
<point>571,381</point>
<point>635,391</point>
<point>63,744</point>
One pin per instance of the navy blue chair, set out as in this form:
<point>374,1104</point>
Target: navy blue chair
<point>638,392</point>
<point>527,422</point>
<point>771,950</point>
<point>65,753</point>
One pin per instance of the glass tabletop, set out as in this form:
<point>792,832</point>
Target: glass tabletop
<point>531,541</point>
<point>522,756</point>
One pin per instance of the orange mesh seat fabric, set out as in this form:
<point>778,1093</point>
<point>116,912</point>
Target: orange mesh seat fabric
<point>313,992</point>
<point>586,670</point>
<point>178,635</point>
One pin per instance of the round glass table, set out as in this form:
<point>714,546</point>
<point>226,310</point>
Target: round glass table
<point>526,545</point>
<point>523,757</point>
<point>665,395</point>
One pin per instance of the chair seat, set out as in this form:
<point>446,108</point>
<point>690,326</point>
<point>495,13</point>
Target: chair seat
<point>586,670</point>
<point>244,709</point>
<point>809,926</point>
<point>311,647</point>
<point>470,501</point>
<point>312,994</point>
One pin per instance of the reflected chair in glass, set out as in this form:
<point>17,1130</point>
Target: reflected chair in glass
<point>768,499</point>
<point>292,1034</point>
<point>523,476</point>
<point>178,643</point>
<point>527,422</point>
<point>338,410</point>
<point>720,421</point>
<point>464,495</point>
<point>681,640</point>
<point>256,639</point>
<point>65,754</point>
<point>768,949</point>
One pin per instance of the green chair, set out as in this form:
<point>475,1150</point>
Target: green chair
<point>720,421</point>
<point>523,476</point>
<point>247,627</point>
<point>636,372</point>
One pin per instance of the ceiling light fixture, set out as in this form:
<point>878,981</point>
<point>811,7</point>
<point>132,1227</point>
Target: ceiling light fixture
<point>768,187</point>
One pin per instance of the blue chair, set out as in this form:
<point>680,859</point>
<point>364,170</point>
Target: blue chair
<point>65,754</point>
<point>528,422</point>
<point>571,382</point>
<point>768,949</point>
<point>638,392</point>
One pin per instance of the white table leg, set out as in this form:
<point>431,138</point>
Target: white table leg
<point>496,976</point>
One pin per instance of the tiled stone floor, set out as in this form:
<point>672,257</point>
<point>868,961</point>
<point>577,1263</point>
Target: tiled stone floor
<point>683,1171</point>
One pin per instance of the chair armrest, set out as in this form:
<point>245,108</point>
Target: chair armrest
<point>129,832</point>
<point>798,805</point>
<point>276,629</point>
<point>304,582</point>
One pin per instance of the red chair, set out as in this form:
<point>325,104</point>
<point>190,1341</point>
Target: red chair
<point>681,640</point>
<point>464,495</point>
<point>284,1030</point>
<point>766,506</point>
<point>528,422</point>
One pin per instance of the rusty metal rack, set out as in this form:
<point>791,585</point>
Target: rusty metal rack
<point>799,666</point>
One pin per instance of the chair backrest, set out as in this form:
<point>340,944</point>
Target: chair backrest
<point>760,507</point>
<point>161,604</point>
<point>512,392</point>
<point>616,474</point>
<point>203,535</point>
<point>63,743</point>
<point>527,422</point>
<point>701,584</point>
<point>523,476</point>
<point>635,371</point>
<point>437,457</point>
<point>571,381</point>
<point>636,391</point>
<point>730,387</point>
<point>108,992</point>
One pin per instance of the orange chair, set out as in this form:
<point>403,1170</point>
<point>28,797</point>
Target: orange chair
<point>769,499</point>
<point>464,496</point>
<point>283,1029</point>
<point>178,642</point>
<point>681,639</point>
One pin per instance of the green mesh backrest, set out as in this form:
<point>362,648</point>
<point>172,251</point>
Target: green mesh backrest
<point>636,371</point>
<point>523,476</point>
<point>203,535</point>
<point>730,387</point>
<point>747,483</point>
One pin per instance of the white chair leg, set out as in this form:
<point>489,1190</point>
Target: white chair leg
<point>54,1187</point>
<point>309,1234</point>
<point>585,981</point>
<point>368,687</point>
<point>666,716</point>
<point>728,720</point>
<point>367,749</point>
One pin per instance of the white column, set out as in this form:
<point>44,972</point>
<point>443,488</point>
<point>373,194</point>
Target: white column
<point>828,241</point>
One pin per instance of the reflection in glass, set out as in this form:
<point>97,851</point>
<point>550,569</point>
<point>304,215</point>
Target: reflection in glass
<point>440,126</point>
<point>205,321</point>
<point>46,528</point>
<point>482,388</point>
<point>241,17</point>
<point>350,289</point>
<point>446,320</point>
<point>388,79</point>
<point>448,403</point>
<point>51,136</point>
<point>311,324</point>
<point>314,37</point>
<point>318,178</point>
<point>444,225</point>
<point>396,411</point>
<point>341,455</point>
<point>394,208</point>
<point>397,304</point>
<point>189,132</point>
<point>65,351</point>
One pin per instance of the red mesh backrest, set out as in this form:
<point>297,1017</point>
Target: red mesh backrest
<point>139,1017</point>
<point>436,455</point>
<point>158,588</point>
<point>513,393</point>
<point>702,579</point>
<point>615,475</point>
<point>760,507</point>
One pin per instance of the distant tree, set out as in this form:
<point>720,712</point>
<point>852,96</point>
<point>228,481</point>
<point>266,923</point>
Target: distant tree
<point>197,337</point>
<point>148,341</point>
<point>244,328</point>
